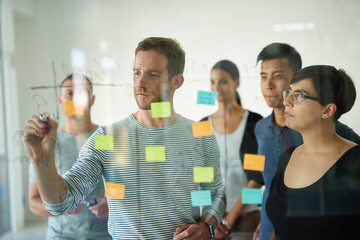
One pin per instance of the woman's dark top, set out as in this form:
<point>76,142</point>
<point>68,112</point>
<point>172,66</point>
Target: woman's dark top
<point>249,144</point>
<point>327,209</point>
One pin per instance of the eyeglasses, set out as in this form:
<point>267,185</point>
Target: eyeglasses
<point>296,97</point>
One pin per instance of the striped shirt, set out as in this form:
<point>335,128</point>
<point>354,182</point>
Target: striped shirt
<point>157,196</point>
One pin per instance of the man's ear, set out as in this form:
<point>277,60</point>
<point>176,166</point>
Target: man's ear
<point>92,100</point>
<point>61,101</point>
<point>177,81</point>
<point>329,110</point>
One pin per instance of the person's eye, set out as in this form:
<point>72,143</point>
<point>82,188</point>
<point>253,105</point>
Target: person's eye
<point>224,82</point>
<point>278,76</point>
<point>263,77</point>
<point>136,73</point>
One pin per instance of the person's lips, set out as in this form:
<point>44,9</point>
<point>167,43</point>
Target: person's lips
<point>142,94</point>
<point>287,114</point>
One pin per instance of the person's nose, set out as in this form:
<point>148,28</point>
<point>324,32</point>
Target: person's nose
<point>268,83</point>
<point>287,101</point>
<point>140,80</point>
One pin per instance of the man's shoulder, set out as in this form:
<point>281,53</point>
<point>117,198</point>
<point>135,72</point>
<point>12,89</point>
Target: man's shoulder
<point>264,122</point>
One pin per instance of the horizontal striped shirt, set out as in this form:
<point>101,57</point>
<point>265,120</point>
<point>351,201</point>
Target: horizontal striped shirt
<point>157,196</point>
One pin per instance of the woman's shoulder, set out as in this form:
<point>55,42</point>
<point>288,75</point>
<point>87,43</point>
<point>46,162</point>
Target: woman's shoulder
<point>254,117</point>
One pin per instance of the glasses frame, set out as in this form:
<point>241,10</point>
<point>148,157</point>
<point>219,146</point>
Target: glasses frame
<point>287,91</point>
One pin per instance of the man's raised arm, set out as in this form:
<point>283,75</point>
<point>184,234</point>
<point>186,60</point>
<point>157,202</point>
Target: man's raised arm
<point>40,143</point>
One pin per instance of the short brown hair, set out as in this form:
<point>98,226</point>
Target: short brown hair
<point>170,48</point>
<point>77,76</point>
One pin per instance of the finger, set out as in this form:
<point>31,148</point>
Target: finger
<point>33,128</point>
<point>181,228</point>
<point>192,232</point>
<point>52,123</point>
<point>94,207</point>
<point>38,122</point>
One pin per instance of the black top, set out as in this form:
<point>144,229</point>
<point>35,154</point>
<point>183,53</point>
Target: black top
<point>327,209</point>
<point>249,144</point>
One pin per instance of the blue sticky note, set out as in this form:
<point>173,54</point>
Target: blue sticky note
<point>206,97</point>
<point>251,196</point>
<point>201,198</point>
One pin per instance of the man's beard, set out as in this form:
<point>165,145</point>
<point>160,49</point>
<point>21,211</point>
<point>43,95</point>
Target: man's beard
<point>164,96</point>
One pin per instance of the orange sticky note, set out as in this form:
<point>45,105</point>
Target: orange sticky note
<point>114,190</point>
<point>72,108</point>
<point>254,162</point>
<point>201,129</point>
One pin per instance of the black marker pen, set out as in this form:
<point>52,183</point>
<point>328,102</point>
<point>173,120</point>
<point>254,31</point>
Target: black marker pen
<point>43,117</point>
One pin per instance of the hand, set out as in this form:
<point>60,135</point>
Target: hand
<point>39,141</point>
<point>197,231</point>
<point>76,210</point>
<point>101,209</point>
<point>221,231</point>
<point>256,233</point>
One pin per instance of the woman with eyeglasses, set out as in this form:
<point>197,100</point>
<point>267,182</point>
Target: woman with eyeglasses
<point>233,127</point>
<point>315,193</point>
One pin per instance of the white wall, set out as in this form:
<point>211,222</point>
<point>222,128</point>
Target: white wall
<point>13,120</point>
<point>208,30</point>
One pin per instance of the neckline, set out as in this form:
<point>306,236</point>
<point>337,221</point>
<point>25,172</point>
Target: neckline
<point>317,182</point>
<point>153,128</point>
<point>244,119</point>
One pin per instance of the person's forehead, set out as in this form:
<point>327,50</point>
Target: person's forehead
<point>275,64</point>
<point>150,59</point>
<point>305,85</point>
<point>80,84</point>
<point>219,73</point>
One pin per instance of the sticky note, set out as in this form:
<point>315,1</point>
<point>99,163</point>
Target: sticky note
<point>160,109</point>
<point>114,190</point>
<point>254,162</point>
<point>73,108</point>
<point>206,97</point>
<point>104,142</point>
<point>201,129</point>
<point>203,174</point>
<point>251,196</point>
<point>155,153</point>
<point>201,198</point>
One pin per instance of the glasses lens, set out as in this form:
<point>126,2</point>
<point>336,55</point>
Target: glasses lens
<point>285,92</point>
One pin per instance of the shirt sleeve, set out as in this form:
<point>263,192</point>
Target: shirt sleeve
<point>82,178</point>
<point>212,156</point>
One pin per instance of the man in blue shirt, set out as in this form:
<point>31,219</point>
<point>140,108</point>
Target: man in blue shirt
<point>279,62</point>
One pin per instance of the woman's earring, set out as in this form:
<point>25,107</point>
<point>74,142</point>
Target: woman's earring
<point>323,116</point>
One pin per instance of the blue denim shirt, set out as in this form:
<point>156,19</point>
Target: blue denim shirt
<point>272,142</point>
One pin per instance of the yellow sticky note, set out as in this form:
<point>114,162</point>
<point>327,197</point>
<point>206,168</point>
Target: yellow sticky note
<point>155,153</point>
<point>114,190</point>
<point>201,129</point>
<point>160,109</point>
<point>203,174</point>
<point>104,142</point>
<point>73,108</point>
<point>254,162</point>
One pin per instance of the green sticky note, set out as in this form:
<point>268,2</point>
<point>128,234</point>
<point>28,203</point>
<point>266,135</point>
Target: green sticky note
<point>104,142</point>
<point>155,153</point>
<point>251,196</point>
<point>160,109</point>
<point>203,174</point>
